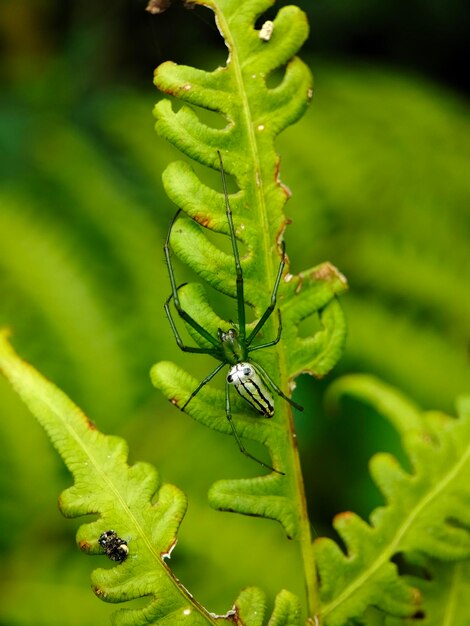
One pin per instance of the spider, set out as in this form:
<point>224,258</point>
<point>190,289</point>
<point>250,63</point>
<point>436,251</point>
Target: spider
<point>233,346</point>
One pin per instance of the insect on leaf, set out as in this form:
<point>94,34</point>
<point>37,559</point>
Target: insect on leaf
<point>128,499</point>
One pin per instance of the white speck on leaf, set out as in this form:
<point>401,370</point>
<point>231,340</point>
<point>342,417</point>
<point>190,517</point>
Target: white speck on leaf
<point>266,31</point>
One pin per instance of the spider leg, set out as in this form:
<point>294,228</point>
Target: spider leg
<point>174,293</point>
<point>236,256</point>
<point>277,389</point>
<point>269,343</point>
<point>202,383</point>
<point>243,450</point>
<point>263,319</point>
<point>177,336</point>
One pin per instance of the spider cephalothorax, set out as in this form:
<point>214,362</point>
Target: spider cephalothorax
<point>231,346</point>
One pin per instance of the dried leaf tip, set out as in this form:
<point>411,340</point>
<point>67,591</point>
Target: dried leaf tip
<point>156,7</point>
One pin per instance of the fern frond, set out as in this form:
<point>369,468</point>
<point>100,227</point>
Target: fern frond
<point>426,511</point>
<point>254,115</point>
<point>444,589</point>
<point>127,499</point>
<point>250,609</point>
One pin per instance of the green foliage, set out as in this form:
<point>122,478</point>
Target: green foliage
<point>379,174</point>
<point>444,587</point>
<point>254,115</point>
<point>387,185</point>
<point>130,500</point>
<point>426,511</point>
<point>415,522</point>
<point>127,498</point>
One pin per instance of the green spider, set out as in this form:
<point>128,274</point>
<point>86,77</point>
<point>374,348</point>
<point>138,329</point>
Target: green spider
<point>233,346</point>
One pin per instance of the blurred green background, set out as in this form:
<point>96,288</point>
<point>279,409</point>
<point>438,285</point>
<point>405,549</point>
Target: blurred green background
<point>379,170</point>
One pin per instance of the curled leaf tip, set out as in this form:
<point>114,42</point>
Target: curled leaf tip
<point>328,272</point>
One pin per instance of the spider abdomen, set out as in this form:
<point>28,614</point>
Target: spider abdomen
<point>251,387</point>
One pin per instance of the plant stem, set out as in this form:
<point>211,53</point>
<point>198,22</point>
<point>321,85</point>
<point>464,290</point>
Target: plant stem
<point>304,534</point>
<point>305,537</point>
<point>267,258</point>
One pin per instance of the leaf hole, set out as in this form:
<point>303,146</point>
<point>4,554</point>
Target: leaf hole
<point>212,119</point>
<point>310,326</point>
<point>455,523</point>
<point>275,78</point>
<point>408,568</point>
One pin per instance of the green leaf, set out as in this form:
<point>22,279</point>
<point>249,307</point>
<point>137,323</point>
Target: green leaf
<point>426,510</point>
<point>250,609</point>
<point>128,499</point>
<point>253,114</point>
<point>444,588</point>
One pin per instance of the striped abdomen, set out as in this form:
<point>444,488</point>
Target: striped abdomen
<point>251,387</point>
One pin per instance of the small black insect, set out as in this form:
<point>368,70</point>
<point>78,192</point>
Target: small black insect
<point>114,547</point>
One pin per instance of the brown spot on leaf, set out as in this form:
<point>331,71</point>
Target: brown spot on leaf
<point>427,439</point>
<point>299,285</point>
<point>100,593</point>
<point>417,597</point>
<point>177,91</point>
<point>204,219</point>
<point>84,546</point>
<point>277,179</point>
<point>280,231</point>
<point>327,271</point>
<point>89,423</point>
<point>310,372</point>
<point>233,615</point>
<point>346,516</point>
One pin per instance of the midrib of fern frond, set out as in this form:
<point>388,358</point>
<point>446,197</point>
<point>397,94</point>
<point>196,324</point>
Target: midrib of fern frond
<point>265,249</point>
